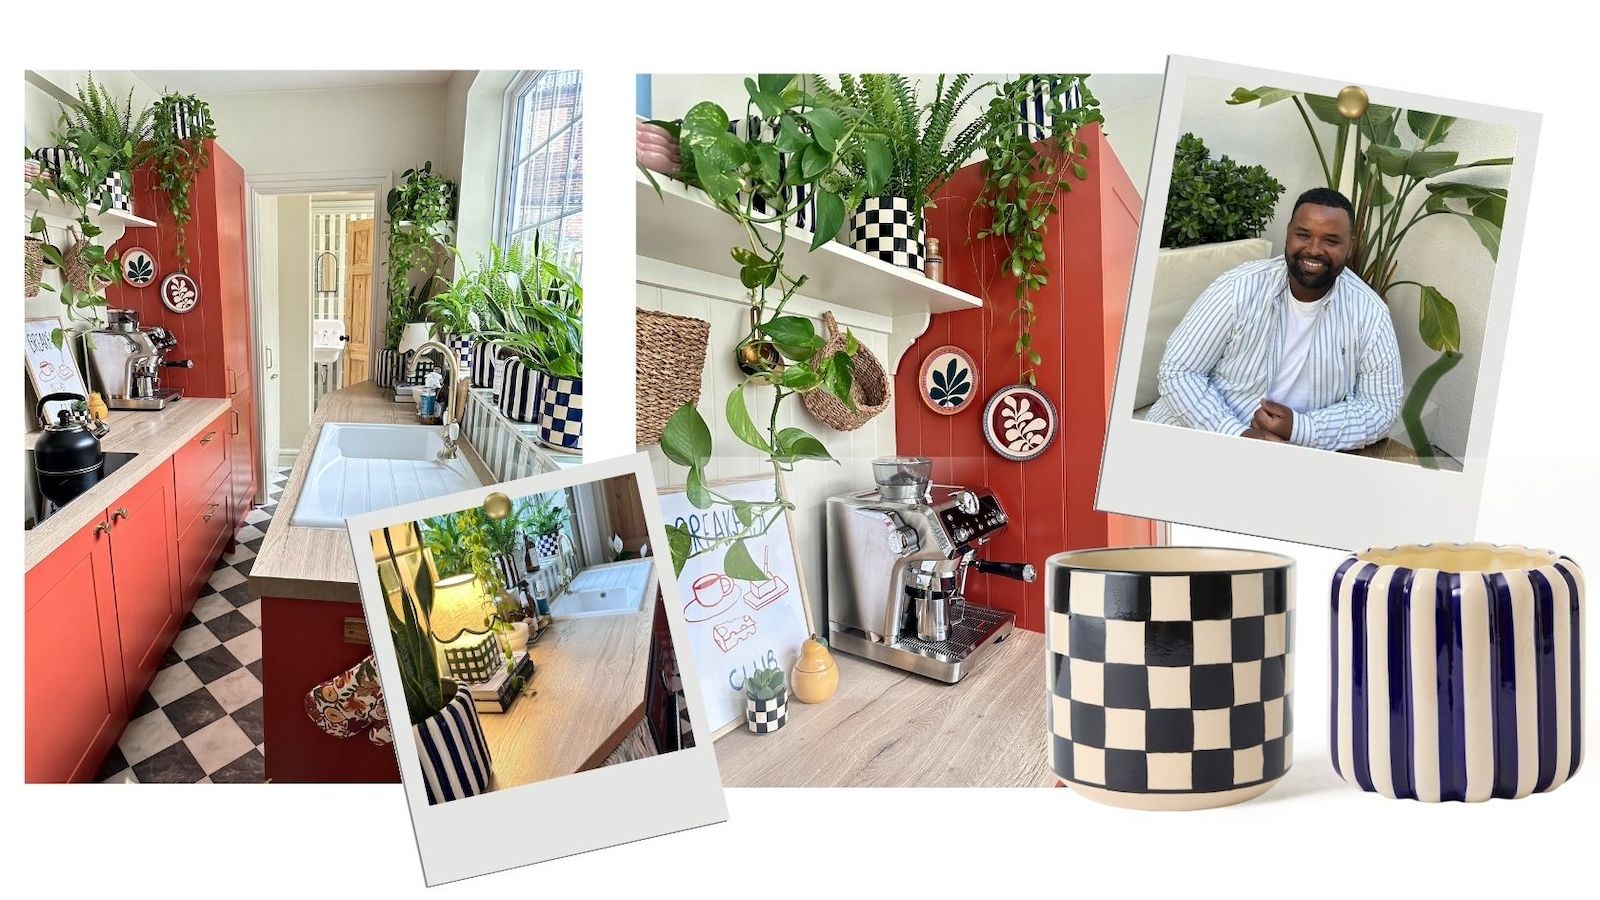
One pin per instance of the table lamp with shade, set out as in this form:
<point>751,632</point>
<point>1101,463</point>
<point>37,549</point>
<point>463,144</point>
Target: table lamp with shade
<point>458,624</point>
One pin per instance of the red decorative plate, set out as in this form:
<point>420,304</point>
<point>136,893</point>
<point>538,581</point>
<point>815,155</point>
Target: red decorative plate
<point>1020,422</point>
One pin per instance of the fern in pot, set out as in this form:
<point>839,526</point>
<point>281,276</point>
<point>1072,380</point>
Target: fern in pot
<point>444,721</point>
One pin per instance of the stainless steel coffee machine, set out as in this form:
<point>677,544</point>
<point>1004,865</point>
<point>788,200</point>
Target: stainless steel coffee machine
<point>125,362</point>
<point>897,562</point>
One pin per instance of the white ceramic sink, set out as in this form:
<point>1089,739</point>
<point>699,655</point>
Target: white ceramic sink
<point>608,590</point>
<point>326,346</point>
<point>360,468</point>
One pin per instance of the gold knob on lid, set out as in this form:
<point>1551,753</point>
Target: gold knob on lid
<point>497,506</point>
<point>1352,102</point>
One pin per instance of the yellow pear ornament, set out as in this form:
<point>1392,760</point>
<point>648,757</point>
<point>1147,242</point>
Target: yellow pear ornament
<point>816,675</point>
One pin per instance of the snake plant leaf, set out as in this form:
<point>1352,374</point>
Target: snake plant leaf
<point>695,488</point>
<point>830,217</point>
<point>1430,128</point>
<point>1266,96</point>
<point>1439,325</point>
<point>736,563</point>
<point>680,544</point>
<point>740,423</point>
<point>826,126</point>
<point>687,440</point>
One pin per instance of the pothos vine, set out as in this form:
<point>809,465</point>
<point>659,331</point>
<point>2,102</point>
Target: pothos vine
<point>1022,177</point>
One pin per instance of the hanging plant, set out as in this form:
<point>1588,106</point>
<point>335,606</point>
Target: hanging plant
<point>1022,177</point>
<point>86,267</point>
<point>782,353</point>
<point>417,207</point>
<point>177,151</point>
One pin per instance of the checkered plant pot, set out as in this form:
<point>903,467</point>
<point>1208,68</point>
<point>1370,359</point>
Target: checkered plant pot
<point>1171,674</point>
<point>1037,121</point>
<point>885,227</point>
<point>115,190</point>
<point>475,663</point>
<point>519,392</point>
<point>801,198</point>
<point>561,413</point>
<point>548,545</point>
<point>480,364</point>
<point>766,716</point>
<point>463,349</point>
<point>452,750</point>
<point>386,371</point>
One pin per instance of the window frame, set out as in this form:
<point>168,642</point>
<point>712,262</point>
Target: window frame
<point>506,207</point>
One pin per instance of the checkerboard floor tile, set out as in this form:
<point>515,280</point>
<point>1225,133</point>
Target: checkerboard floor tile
<point>200,719</point>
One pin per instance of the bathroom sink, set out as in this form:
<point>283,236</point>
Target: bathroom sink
<point>360,468</point>
<point>326,340</point>
<point>609,590</point>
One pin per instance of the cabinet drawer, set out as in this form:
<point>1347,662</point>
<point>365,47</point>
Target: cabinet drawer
<point>201,466</point>
<point>202,541</point>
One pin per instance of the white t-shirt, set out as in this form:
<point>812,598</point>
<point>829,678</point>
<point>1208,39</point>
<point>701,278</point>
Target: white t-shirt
<point>1291,386</point>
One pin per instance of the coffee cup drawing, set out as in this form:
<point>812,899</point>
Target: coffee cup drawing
<point>713,594</point>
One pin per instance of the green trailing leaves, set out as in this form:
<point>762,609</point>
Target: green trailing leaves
<point>680,544</point>
<point>795,444</point>
<point>686,440</point>
<point>738,564</point>
<point>695,488</point>
<point>740,424</point>
<point>830,217</point>
<point>794,336</point>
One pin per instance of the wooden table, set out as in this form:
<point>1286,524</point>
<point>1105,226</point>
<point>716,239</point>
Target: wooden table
<point>888,728</point>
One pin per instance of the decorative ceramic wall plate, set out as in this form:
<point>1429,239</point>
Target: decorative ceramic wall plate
<point>179,293</point>
<point>138,267</point>
<point>949,380</point>
<point>1020,422</point>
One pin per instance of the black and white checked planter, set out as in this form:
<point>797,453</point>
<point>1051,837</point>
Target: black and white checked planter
<point>452,750</point>
<point>561,413</point>
<point>767,716</point>
<point>885,227</point>
<point>1457,671</point>
<point>801,199</point>
<point>1171,674</point>
<point>471,662</point>
<point>519,392</point>
<point>116,192</point>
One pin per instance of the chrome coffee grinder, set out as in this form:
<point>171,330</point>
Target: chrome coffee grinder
<point>898,557</point>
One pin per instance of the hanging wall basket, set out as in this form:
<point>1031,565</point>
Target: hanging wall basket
<point>668,367</point>
<point>32,266</point>
<point>869,385</point>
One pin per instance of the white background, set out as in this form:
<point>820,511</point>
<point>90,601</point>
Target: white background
<point>1310,836</point>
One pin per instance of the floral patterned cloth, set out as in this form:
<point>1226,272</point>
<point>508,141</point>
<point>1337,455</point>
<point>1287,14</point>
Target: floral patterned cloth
<point>350,703</point>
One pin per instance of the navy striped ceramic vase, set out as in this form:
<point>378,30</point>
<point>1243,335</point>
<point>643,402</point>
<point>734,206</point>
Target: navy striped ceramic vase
<point>453,752</point>
<point>1457,671</point>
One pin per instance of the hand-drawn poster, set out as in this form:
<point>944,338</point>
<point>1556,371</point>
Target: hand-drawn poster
<point>736,627</point>
<point>50,368</point>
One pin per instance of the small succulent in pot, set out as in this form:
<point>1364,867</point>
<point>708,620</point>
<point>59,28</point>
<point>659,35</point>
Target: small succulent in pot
<point>764,684</point>
<point>766,704</point>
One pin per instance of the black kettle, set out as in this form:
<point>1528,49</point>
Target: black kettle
<point>67,455</point>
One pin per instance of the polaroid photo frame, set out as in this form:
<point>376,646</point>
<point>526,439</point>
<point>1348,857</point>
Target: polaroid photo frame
<point>560,816</point>
<point>1283,490</point>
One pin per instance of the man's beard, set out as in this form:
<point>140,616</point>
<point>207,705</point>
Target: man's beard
<point>1314,282</point>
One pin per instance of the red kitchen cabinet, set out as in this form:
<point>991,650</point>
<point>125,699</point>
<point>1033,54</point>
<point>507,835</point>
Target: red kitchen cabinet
<point>76,700</point>
<point>144,564</point>
<point>242,457</point>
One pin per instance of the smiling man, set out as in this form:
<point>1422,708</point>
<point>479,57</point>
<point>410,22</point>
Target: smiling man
<point>1296,349</point>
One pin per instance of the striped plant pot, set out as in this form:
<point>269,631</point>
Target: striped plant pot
<point>187,119</point>
<point>561,413</point>
<point>480,364</point>
<point>801,198</point>
<point>57,159</point>
<point>1037,121</point>
<point>452,750</point>
<point>519,392</point>
<point>386,370</point>
<point>1457,671</point>
<point>885,227</point>
<point>767,716</point>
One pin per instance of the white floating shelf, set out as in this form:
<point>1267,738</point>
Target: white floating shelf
<point>682,226</point>
<point>54,208</point>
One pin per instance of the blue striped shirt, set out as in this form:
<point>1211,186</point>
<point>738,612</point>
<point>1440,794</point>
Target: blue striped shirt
<point>1224,353</point>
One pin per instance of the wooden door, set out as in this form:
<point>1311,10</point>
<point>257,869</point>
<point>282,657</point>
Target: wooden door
<point>358,301</point>
<point>144,563</point>
<point>76,704</point>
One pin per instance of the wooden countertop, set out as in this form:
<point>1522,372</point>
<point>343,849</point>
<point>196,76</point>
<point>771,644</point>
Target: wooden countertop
<point>153,434</point>
<point>316,563</point>
<point>591,679</point>
<point>888,728</point>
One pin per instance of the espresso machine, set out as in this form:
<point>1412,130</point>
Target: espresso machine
<point>897,563</point>
<point>125,362</point>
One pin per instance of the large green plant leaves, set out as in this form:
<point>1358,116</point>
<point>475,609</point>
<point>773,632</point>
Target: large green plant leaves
<point>736,563</point>
<point>830,217</point>
<point>741,425</point>
<point>794,336</point>
<point>1266,96</point>
<point>1430,128</point>
<point>1438,323</point>
<point>687,440</point>
<point>1485,202</point>
<point>795,444</point>
<point>717,155</point>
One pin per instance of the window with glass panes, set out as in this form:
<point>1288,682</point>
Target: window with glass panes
<point>543,182</point>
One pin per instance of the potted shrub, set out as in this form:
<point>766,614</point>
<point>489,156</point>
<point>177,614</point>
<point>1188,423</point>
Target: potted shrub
<point>1216,211</point>
<point>889,221</point>
<point>540,327</point>
<point>97,128</point>
<point>86,267</point>
<point>766,700</point>
<point>419,210</point>
<point>444,720</point>
<point>180,125</point>
<point>546,520</point>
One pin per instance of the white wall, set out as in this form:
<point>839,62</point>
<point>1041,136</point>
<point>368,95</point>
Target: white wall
<point>294,317</point>
<point>1442,252</point>
<point>482,105</point>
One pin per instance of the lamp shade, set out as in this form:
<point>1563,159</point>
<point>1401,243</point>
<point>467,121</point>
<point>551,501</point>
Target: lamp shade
<point>414,335</point>
<point>457,608</point>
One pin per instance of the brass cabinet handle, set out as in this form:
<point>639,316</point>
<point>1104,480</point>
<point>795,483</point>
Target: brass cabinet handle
<point>121,513</point>
<point>210,436</point>
<point>211,510</point>
<point>236,421</point>
<point>102,528</point>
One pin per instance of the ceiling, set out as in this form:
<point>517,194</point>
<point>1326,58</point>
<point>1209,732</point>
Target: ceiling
<point>241,81</point>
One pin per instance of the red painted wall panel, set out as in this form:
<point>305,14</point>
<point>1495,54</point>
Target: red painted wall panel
<point>1079,314</point>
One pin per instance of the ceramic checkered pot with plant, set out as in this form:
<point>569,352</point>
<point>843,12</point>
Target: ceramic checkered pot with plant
<point>561,412</point>
<point>766,700</point>
<point>1171,674</point>
<point>889,229</point>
